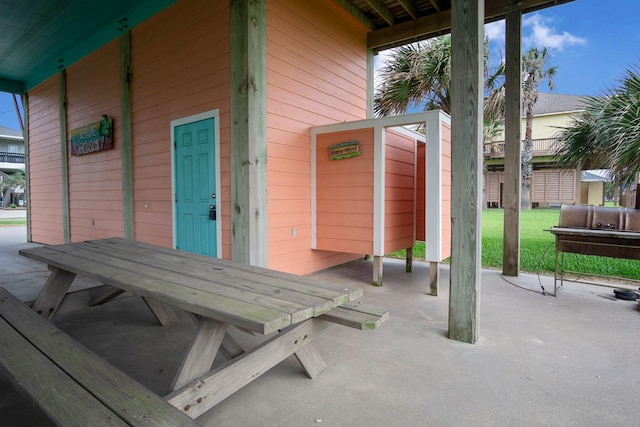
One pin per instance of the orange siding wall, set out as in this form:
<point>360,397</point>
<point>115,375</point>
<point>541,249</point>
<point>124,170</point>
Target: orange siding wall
<point>400,159</point>
<point>95,179</point>
<point>446,190</point>
<point>45,178</point>
<point>316,74</point>
<point>344,195</point>
<point>180,62</point>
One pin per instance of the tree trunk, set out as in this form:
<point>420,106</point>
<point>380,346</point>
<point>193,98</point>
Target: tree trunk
<point>527,172</point>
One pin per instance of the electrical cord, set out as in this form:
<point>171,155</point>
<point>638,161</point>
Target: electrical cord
<point>544,291</point>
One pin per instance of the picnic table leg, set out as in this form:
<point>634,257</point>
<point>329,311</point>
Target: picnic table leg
<point>202,351</point>
<point>53,292</point>
<point>208,390</point>
<point>311,360</point>
<point>163,312</point>
<point>230,348</point>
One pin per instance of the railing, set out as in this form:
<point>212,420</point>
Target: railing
<point>541,147</point>
<point>11,158</point>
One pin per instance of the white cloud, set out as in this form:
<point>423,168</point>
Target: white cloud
<point>495,31</point>
<point>542,34</point>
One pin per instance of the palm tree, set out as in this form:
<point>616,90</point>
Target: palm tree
<point>534,72</point>
<point>607,134</point>
<point>12,182</point>
<point>417,75</point>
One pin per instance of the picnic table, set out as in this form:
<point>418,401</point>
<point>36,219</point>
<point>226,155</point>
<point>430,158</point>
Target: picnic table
<point>293,310</point>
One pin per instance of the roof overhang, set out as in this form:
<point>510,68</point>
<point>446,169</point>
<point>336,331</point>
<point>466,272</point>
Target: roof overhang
<point>40,37</point>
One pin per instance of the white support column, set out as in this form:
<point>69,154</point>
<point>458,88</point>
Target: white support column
<point>379,171</point>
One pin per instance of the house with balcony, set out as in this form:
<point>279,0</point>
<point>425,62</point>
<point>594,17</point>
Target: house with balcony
<point>11,160</point>
<point>550,185</point>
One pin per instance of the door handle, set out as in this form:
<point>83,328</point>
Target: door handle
<point>212,212</point>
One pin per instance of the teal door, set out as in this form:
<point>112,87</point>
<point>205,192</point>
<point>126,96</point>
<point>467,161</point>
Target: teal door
<point>195,185</point>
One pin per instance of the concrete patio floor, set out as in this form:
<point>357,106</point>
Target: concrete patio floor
<point>573,360</point>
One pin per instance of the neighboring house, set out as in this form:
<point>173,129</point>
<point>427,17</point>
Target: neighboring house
<point>11,160</point>
<point>550,186</point>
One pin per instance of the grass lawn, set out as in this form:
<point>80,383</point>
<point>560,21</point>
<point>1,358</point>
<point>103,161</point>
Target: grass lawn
<point>13,221</point>
<point>537,249</point>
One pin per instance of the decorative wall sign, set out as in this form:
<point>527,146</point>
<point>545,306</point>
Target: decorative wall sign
<point>92,138</point>
<point>344,150</point>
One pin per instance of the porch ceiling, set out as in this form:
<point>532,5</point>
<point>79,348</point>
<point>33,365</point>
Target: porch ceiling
<point>39,36</point>
<point>397,22</point>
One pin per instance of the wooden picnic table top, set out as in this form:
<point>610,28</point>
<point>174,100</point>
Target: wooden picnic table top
<point>249,297</point>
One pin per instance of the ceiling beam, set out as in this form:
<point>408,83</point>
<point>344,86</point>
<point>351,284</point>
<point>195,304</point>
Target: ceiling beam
<point>440,23</point>
<point>382,10</point>
<point>436,5</point>
<point>357,13</point>
<point>410,8</point>
<point>11,86</point>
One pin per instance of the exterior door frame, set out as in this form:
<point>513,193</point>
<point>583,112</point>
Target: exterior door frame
<point>215,115</point>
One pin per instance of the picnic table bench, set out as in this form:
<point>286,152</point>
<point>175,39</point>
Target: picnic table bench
<point>72,385</point>
<point>292,309</point>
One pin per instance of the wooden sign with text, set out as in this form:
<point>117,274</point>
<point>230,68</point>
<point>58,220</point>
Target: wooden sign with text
<point>92,138</point>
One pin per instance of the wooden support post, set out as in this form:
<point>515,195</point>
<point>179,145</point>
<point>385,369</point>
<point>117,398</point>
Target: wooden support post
<point>409,260</point>
<point>377,270</point>
<point>248,132</point>
<point>64,157</point>
<point>27,185</point>
<point>434,278</point>
<point>467,47</point>
<point>512,145</point>
<point>126,150</point>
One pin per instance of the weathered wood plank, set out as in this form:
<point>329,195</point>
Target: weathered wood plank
<point>248,63</point>
<point>201,353</point>
<point>120,393</point>
<point>203,393</point>
<point>466,167</point>
<point>64,158</point>
<point>290,281</point>
<point>61,399</point>
<point>126,146</point>
<point>53,292</point>
<point>357,315</point>
<point>298,306</point>
<point>250,316</point>
<point>163,313</point>
<point>244,286</point>
<point>311,360</point>
<point>513,145</point>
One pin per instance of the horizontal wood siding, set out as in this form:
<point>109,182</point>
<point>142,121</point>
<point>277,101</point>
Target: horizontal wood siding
<point>344,214</point>
<point>316,74</point>
<point>45,179</point>
<point>180,64</point>
<point>400,157</point>
<point>446,190</point>
<point>95,179</point>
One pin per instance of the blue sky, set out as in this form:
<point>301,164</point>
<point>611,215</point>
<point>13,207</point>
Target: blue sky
<point>592,42</point>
